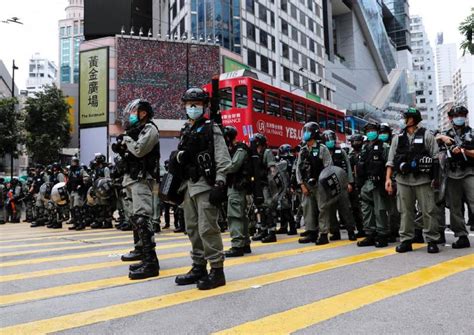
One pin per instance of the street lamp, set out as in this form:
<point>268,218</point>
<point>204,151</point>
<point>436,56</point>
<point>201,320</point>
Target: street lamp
<point>14,67</point>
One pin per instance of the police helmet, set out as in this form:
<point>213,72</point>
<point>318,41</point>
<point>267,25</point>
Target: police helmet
<point>371,125</point>
<point>45,191</point>
<point>312,128</point>
<point>195,94</point>
<point>356,138</point>
<point>99,158</point>
<point>39,166</point>
<point>259,139</point>
<point>59,194</point>
<point>284,150</point>
<point>230,133</point>
<point>414,113</point>
<point>329,135</point>
<point>103,188</point>
<point>56,166</point>
<point>458,110</point>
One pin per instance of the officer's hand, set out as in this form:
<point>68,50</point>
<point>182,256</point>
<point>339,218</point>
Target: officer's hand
<point>349,188</point>
<point>304,189</point>
<point>218,194</point>
<point>388,186</point>
<point>456,151</point>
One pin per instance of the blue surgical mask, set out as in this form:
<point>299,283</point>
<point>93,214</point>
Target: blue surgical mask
<point>383,137</point>
<point>372,135</point>
<point>459,121</point>
<point>194,112</point>
<point>331,144</point>
<point>306,136</point>
<point>133,119</point>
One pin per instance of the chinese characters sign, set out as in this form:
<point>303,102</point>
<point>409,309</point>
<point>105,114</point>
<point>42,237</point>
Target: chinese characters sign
<point>93,106</point>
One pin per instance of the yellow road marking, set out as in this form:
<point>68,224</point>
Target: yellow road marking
<point>80,319</point>
<point>311,314</point>
<point>57,291</point>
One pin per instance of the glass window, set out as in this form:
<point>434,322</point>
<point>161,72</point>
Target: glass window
<point>285,50</point>
<point>311,45</point>
<point>293,11</point>
<point>318,11</point>
<point>264,64</point>
<point>263,38</point>
<point>273,43</point>
<point>322,119</point>
<point>287,108</point>
<point>272,19</point>
<point>294,34</point>
<point>62,31</point>
<point>284,27</point>
<point>299,112</point>
<point>302,18</point>
<point>284,5</point>
<point>295,55</point>
<point>251,58</point>
<point>311,113</point>
<point>320,50</point>
<point>296,79</point>
<point>262,13</point>
<point>241,98</point>
<point>303,40</point>
<point>340,126</point>
<point>310,24</point>
<point>331,122</point>
<point>258,99</point>
<point>286,74</point>
<point>250,5</point>
<point>225,95</point>
<point>312,66</point>
<point>250,31</point>
<point>273,104</point>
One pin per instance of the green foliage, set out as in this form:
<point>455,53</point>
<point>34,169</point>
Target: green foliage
<point>10,135</point>
<point>466,28</point>
<point>47,125</point>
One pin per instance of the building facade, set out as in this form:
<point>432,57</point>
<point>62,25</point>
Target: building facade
<point>463,85</point>
<point>424,73</point>
<point>41,72</point>
<point>71,34</point>
<point>446,64</point>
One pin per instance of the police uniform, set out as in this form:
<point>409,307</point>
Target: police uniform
<point>40,209</point>
<point>77,190</point>
<point>460,183</point>
<point>3,198</point>
<point>412,156</point>
<point>284,201</point>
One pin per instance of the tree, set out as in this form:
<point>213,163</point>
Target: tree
<point>47,125</point>
<point>466,28</point>
<point>9,127</point>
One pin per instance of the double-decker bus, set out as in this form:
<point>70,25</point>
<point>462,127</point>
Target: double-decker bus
<point>253,106</point>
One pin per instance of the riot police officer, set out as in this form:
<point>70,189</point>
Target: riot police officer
<point>285,166</point>
<point>77,190</point>
<point>140,150</point>
<point>313,158</point>
<point>203,156</point>
<point>3,198</point>
<point>356,142</point>
<point>238,184</point>
<point>102,210</point>
<point>459,141</point>
<point>374,200</point>
<point>413,156</point>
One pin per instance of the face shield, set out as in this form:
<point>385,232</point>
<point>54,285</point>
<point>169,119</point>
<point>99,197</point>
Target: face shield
<point>130,114</point>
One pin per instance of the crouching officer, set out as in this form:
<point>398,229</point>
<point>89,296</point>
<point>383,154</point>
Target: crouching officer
<point>374,200</point>
<point>203,155</point>
<point>313,158</point>
<point>237,181</point>
<point>459,141</point>
<point>413,156</point>
<point>140,151</point>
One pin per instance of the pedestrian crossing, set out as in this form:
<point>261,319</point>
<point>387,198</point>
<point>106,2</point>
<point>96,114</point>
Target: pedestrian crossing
<point>37,300</point>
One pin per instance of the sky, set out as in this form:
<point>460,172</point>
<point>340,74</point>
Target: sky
<point>40,30</point>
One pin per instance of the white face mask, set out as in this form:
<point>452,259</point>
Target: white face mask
<point>194,112</point>
<point>401,123</point>
<point>459,121</point>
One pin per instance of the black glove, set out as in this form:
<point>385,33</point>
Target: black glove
<point>218,194</point>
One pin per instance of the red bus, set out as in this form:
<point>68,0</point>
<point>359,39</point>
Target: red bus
<point>253,106</point>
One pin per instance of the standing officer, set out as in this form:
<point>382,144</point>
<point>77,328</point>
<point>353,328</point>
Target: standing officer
<point>313,158</point>
<point>77,193</point>
<point>285,167</point>
<point>203,155</point>
<point>374,200</point>
<point>413,156</point>
<point>356,141</point>
<point>141,153</point>
<point>238,184</point>
<point>460,173</point>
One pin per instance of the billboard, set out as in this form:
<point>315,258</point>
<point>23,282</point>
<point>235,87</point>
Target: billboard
<point>93,87</point>
<point>160,71</point>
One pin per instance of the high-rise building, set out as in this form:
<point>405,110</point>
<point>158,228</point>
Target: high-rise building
<point>397,22</point>
<point>463,85</point>
<point>41,72</point>
<point>424,73</point>
<point>283,41</point>
<point>71,33</point>
<point>446,64</point>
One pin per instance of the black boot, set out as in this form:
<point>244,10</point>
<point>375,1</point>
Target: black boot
<point>335,237</point>
<point>166,226</point>
<point>270,238</point>
<point>351,235</point>
<point>134,255</point>
<point>432,247</point>
<point>150,267</point>
<point>96,225</point>
<point>323,239</point>
<point>179,230</point>
<point>367,242</point>
<point>418,236</point>
<point>234,252</point>
<point>193,276</point>
<point>215,279</point>
<point>126,226</point>
<point>461,243</point>
<point>282,230</point>
<point>404,247</point>
<point>37,223</point>
<point>134,267</point>
<point>247,249</point>
<point>360,233</point>
<point>261,233</point>
<point>381,241</point>
<point>305,233</point>
<point>310,237</point>
<point>442,237</point>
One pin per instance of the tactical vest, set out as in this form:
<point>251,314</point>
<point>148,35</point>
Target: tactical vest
<point>372,162</point>
<point>240,180</point>
<point>466,141</point>
<point>75,179</point>
<point>198,142</point>
<point>410,153</point>
<point>37,182</point>
<point>311,164</point>
<point>339,159</point>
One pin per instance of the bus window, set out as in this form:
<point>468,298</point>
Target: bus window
<point>331,122</point>
<point>340,126</point>
<point>258,100</point>
<point>311,114</point>
<point>225,95</point>
<point>299,113</point>
<point>241,99</point>
<point>322,119</point>
<point>273,104</point>
<point>287,108</point>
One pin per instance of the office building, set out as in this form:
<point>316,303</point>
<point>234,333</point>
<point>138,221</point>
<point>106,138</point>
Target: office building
<point>41,72</point>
